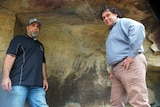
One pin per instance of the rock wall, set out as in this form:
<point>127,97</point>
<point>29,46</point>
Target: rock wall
<point>74,39</point>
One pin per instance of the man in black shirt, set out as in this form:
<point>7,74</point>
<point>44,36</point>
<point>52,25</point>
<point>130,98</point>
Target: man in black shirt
<point>24,70</point>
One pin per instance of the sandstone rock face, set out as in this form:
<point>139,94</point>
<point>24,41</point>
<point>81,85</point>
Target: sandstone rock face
<point>74,39</point>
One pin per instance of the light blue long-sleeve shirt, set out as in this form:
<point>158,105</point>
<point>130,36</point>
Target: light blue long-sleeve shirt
<point>125,39</point>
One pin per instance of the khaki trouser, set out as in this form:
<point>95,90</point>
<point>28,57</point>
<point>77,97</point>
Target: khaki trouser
<point>130,85</point>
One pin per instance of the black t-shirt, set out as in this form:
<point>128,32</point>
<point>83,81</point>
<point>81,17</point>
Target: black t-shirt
<point>27,68</point>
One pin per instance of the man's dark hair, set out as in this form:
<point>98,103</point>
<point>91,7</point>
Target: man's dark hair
<point>111,9</point>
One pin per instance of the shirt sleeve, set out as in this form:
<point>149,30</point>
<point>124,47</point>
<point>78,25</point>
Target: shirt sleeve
<point>44,58</point>
<point>135,32</point>
<point>13,46</point>
<point>136,35</point>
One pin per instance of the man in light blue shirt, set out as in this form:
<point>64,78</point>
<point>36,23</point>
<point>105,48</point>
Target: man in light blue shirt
<point>124,52</point>
<point>125,39</point>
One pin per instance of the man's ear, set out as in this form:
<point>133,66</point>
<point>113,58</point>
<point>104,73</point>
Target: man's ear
<point>27,28</point>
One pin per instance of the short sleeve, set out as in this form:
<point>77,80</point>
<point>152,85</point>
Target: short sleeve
<point>13,46</point>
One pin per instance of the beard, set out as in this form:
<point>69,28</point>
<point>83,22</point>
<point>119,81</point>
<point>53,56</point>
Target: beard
<point>34,34</point>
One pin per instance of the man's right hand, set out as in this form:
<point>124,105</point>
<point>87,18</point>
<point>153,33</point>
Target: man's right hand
<point>6,84</point>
